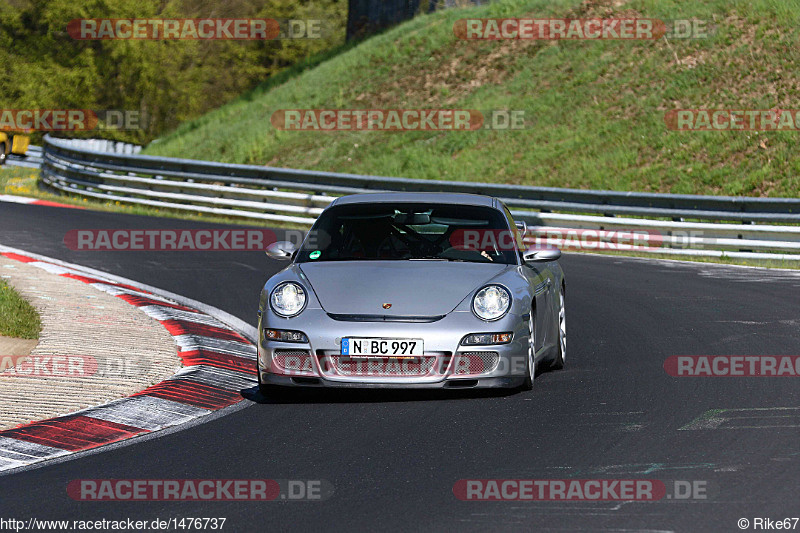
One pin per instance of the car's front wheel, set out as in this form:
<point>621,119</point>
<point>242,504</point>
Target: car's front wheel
<point>558,362</point>
<point>2,154</point>
<point>531,365</point>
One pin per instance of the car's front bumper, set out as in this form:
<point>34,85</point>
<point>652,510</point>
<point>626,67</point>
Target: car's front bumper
<point>451,383</point>
<point>447,364</point>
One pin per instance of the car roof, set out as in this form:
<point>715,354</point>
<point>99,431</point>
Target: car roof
<point>416,197</point>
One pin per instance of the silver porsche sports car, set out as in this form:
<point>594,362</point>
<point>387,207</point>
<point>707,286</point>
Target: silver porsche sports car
<point>427,290</point>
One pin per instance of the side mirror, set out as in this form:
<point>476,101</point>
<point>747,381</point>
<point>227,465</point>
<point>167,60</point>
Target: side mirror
<point>281,250</point>
<point>538,256</point>
<point>522,227</point>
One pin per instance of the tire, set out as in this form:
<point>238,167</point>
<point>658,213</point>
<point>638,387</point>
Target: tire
<point>558,362</point>
<point>531,365</point>
<point>2,153</point>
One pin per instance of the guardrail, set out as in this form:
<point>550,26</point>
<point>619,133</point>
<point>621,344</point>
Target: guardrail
<point>686,224</point>
<point>102,145</point>
<point>33,158</point>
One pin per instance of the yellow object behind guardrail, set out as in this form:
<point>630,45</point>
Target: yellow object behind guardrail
<point>19,144</point>
<point>13,144</point>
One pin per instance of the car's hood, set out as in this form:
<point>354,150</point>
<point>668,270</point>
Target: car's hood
<point>413,288</point>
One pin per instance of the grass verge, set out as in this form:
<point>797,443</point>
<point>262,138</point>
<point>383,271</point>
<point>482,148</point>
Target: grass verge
<point>18,318</point>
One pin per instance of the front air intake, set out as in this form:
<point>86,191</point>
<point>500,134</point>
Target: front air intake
<point>293,361</point>
<point>475,363</point>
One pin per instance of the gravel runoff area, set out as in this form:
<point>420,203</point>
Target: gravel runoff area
<point>93,348</point>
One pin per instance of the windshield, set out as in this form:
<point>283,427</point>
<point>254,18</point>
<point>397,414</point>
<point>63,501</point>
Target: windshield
<point>414,232</point>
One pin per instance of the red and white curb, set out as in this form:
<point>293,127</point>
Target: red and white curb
<point>33,201</point>
<point>217,351</point>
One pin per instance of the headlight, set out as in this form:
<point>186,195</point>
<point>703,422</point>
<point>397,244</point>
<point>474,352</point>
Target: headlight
<point>288,299</point>
<point>491,302</point>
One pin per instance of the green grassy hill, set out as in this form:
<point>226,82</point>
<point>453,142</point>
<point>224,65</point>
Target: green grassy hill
<point>596,108</point>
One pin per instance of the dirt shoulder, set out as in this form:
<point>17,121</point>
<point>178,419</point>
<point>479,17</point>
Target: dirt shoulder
<point>93,348</point>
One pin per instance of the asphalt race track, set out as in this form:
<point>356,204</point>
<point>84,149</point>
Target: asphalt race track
<point>393,457</point>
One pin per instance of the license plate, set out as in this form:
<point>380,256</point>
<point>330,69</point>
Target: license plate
<point>398,348</point>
